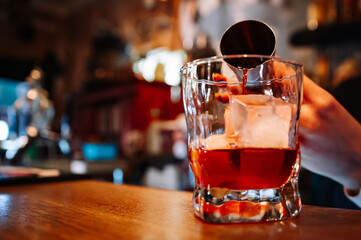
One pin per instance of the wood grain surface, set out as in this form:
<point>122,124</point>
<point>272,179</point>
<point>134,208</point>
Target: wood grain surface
<point>101,210</point>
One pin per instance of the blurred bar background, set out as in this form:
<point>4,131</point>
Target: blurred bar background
<point>91,88</point>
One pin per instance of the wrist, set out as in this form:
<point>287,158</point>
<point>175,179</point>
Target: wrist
<point>352,175</point>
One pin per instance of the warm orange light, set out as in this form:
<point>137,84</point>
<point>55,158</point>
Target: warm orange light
<point>35,74</point>
<point>32,94</point>
<point>312,24</point>
<point>32,131</point>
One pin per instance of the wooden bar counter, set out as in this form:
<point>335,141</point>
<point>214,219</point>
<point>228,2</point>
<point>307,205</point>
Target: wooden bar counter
<point>101,210</point>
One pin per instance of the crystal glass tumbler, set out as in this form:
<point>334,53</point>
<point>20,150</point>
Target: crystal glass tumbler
<point>242,114</point>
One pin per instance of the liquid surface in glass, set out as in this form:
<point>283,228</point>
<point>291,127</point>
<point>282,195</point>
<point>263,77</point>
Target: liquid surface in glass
<point>246,168</point>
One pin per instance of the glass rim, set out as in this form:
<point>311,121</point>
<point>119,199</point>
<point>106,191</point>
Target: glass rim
<point>215,58</point>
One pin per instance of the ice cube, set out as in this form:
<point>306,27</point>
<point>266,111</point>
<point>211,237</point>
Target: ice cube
<point>216,141</point>
<point>258,121</point>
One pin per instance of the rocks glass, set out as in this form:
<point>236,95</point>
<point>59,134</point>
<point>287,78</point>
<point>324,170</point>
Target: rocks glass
<point>242,114</point>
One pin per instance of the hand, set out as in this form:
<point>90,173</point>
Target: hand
<point>330,138</point>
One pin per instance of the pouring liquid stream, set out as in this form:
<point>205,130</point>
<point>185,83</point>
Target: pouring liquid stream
<point>244,80</point>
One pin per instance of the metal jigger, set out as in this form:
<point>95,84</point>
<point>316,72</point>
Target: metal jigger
<point>248,37</point>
